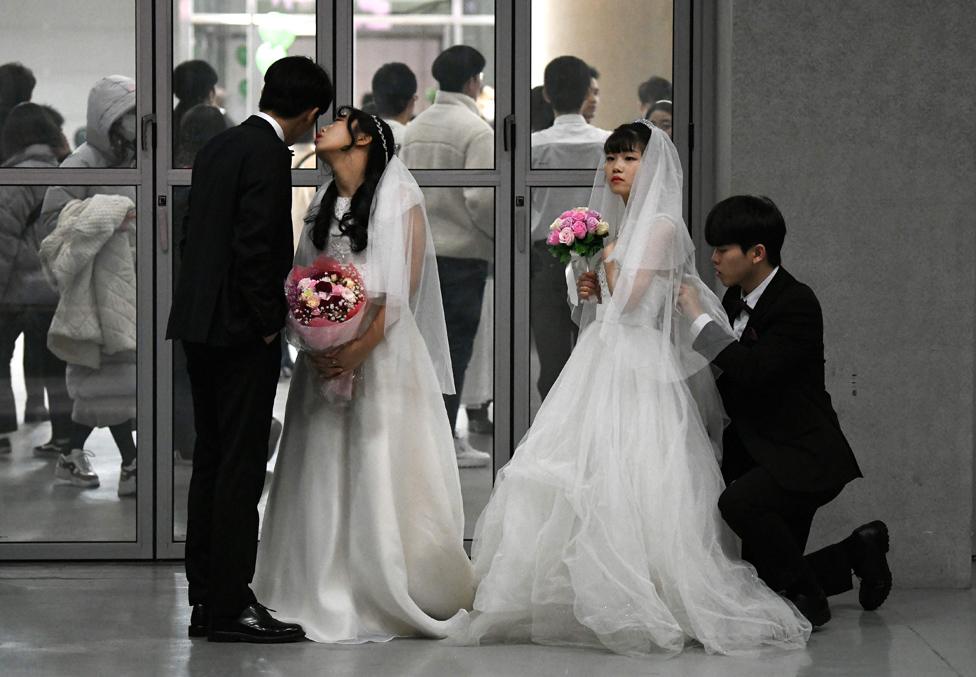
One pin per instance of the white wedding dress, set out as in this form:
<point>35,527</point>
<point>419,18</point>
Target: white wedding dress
<point>363,535</point>
<point>604,530</point>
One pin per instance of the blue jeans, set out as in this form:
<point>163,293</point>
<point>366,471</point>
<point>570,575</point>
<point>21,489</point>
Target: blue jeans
<point>462,289</point>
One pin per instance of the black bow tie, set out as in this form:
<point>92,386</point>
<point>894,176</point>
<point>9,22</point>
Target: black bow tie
<point>738,307</point>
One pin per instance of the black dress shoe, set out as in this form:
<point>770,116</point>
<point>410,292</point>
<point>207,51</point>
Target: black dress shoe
<point>256,625</point>
<point>199,620</point>
<point>812,605</point>
<point>870,563</point>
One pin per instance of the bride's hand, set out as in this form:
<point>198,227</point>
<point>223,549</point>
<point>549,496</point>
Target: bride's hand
<point>588,286</point>
<point>344,359</point>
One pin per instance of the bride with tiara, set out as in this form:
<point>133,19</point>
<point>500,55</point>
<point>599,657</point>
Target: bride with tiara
<point>603,530</point>
<point>363,535</point>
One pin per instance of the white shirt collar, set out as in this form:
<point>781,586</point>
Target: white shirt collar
<point>274,124</point>
<point>457,98</point>
<point>569,119</point>
<point>752,298</point>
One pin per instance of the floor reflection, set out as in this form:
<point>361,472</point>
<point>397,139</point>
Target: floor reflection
<point>141,621</point>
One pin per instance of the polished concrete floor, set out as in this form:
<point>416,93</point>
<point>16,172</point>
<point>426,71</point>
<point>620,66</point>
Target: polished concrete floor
<point>130,619</point>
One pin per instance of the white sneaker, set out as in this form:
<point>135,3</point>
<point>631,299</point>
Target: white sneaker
<point>468,457</point>
<point>76,468</point>
<point>127,479</point>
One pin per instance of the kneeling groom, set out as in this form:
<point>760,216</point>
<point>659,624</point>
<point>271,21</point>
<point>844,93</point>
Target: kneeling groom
<point>784,453</point>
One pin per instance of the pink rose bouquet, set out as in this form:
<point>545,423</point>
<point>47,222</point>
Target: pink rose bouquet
<point>579,231</point>
<point>325,310</point>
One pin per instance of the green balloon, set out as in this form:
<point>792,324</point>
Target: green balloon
<point>242,88</point>
<point>275,32</point>
<point>267,54</point>
<point>241,52</point>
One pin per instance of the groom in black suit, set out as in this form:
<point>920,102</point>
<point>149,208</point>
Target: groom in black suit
<point>228,309</point>
<point>784,453</point>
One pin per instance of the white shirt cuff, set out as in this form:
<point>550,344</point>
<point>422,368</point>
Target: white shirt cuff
<point>699,324</point>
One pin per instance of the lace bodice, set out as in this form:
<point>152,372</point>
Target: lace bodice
<point>339,246</point>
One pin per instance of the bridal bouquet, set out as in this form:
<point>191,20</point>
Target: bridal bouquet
<point>578,231</point>
<point>325,310</point>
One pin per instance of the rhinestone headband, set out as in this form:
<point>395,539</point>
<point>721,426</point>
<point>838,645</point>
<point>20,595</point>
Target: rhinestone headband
<point>386,152</point>
<point>646,123</point>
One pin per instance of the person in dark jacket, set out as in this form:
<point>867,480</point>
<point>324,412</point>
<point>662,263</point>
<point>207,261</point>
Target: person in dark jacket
<point>16,87</point>
<point>228,311</point>
<point>784,454</point>
<point>31,138</point>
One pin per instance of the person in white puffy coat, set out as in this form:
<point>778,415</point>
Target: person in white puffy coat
<point>89,254</point>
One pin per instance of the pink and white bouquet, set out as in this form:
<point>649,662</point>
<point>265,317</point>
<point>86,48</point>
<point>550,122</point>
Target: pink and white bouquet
<point>326,301</point>
<point>579,231</point>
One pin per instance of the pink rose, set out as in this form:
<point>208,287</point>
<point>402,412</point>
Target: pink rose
<point>553,237</point>
<point>566,223</point>
<point>566,236</point>
<point>566,215</point>
<point>579,230</point>
<point>590,214</point>
<point>591,224</point>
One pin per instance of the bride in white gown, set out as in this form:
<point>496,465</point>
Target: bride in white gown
<point>604,530</point>
<point>363,534</point>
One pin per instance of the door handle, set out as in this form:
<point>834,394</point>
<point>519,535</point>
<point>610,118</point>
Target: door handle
<point>521,216</point>
<point>162,220</point>
<point>508,133</point>
<point>148,131</point>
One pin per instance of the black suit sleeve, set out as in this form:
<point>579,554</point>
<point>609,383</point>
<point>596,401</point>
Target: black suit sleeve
<point>264,207</point>
<point>792,338</point>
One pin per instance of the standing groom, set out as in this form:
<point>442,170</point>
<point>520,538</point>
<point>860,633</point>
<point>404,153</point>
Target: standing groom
<point>228,309</point>
<point>784,453</point>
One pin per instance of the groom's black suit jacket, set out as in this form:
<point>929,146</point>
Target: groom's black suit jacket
<point>772,385</point>
<point>237,239</point>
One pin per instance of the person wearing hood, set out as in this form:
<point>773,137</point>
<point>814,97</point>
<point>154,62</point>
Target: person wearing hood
<point>31,138</point>
<point>110,142</point>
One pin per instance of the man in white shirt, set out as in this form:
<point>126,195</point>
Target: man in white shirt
<point>570,143</point>
<point>395,95</point>
<point>452,135</point>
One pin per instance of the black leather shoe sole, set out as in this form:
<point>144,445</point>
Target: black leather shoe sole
<point>237,636</point>
<point>197,630</point>
<point>876,583</point>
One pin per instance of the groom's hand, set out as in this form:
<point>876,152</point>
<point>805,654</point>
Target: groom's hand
<point>689,302</point>
<point>269,339</point>
<point>587,286</point>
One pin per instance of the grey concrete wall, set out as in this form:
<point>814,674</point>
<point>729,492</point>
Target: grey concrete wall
<point>859,120</point>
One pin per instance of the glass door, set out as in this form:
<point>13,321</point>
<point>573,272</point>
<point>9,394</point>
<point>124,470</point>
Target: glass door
<point>583,69</point>
<point>444,69</point>
<point>219,49</point>
<point>76,281</point>
<point>210,64</point>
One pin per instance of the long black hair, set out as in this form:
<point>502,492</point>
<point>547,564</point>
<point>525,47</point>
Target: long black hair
<point>355,222</point>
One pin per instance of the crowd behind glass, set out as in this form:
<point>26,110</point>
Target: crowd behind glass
<point>67,253</point>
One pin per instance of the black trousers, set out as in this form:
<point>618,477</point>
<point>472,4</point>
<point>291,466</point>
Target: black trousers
<point>462,290</point>
<point>774,524</point>
<point>34,322</point>
<point>233,396</point>
<point>553,330</point>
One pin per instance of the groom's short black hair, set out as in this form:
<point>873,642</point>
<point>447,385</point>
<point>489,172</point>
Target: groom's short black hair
<point>747,220</point>
<point>295,84</point>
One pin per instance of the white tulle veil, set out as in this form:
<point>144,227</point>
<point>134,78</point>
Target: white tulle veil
<point>403,267</point>
<point>653,256</point>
